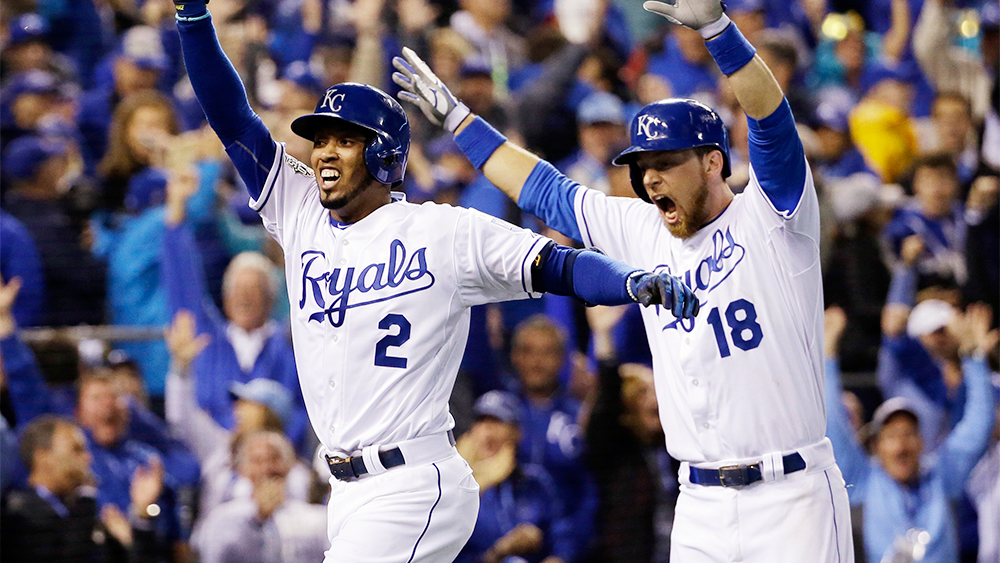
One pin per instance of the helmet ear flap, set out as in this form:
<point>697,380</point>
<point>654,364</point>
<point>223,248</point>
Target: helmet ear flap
<point>383,160</point>
<point>635,175</point>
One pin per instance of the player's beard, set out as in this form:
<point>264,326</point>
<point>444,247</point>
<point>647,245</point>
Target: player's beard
<point>689,222</point>
<point>338,201</point>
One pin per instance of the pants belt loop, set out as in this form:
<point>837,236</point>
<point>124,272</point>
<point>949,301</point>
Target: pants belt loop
<point>372,462</point>
<point>772,467</point>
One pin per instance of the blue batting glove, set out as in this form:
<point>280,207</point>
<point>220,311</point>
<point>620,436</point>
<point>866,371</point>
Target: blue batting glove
<point>191,10</point>
<point>666,290</point>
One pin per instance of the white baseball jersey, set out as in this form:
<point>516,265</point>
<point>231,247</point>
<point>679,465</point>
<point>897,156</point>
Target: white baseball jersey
<point>380,308</point>
<point>745,377</point>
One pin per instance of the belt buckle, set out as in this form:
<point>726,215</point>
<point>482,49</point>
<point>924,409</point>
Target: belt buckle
<point>733,476</point>
<point>340,468</point>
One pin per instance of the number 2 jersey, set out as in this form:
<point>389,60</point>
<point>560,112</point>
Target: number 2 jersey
<point>380,308</point>
<point>745,377</point>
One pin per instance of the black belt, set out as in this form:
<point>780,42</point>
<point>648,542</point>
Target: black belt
<point>354,467</point>
<point>741,475</point>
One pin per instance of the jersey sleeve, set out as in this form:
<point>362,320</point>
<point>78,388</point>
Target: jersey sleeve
<point>290,185</point>
<point>493,259</point>
<point>781,185</point>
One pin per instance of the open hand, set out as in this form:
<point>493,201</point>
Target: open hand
<point>424,89</point>
<point>704,16</point>
<point>183,342</point>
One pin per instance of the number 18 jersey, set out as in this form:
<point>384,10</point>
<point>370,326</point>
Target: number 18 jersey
<point>745,377</point>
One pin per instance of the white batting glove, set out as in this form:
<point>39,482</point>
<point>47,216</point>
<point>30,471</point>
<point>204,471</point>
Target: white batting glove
<point>422,87</point>
<point>707,17</point>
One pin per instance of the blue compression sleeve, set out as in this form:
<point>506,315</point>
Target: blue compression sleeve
<point>224,100</point>
<point>548,194</point>
<point>586,274</point>
<point>778,159</point>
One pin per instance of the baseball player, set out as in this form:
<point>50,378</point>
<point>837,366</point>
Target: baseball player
<point>740,388</point>
<point>380,292</point>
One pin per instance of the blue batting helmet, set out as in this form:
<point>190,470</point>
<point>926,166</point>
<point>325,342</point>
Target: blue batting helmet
<point>670,125</point>
<point>371,109</point>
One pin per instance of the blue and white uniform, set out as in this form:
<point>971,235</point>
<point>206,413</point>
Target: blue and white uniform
<point>743,382</point>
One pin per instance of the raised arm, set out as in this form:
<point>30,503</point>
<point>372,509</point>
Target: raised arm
<point>968,440</point>
<point>222,96</point>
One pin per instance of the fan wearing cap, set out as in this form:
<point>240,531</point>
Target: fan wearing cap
<point>520,514</point>
<point>602,130</point>
<point>28,48</point>
<point>259,404</point>
<point>381,292</point>
<point>25,101</point>
<point>33,168</point>
<point>907,495</point>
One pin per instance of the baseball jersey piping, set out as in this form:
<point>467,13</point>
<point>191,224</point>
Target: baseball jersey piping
<point>429,514</point>
<point>272,179</point>
<point>583,215</point>
<point>526,268</point>
<point>833,504</point>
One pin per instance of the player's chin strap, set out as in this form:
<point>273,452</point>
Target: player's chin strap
<point>772,467</point>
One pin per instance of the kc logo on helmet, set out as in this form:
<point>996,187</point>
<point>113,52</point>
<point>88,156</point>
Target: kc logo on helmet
<point>651,127</point>
<point>333,100</point>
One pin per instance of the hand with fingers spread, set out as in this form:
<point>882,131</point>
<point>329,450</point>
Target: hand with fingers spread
<point>424,89</point>
<point>184,342</point>
<point>666,290</point>
<point>8,295</point>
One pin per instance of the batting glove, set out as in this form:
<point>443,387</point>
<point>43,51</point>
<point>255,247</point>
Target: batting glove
<point>191,10</point>
<point>666,290</point>
<point>422,87</point>
<point>707,17</point>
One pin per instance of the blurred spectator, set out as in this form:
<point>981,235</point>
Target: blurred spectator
<point>266,526</point>
<point>638,490</point>
<point>685,64</point>
<point>483,23</point>
<point>880,123</point>
<point>781,56</point>
<point>74,280</point>
<point>936,217</point>
<point>952,133</point>
<point>983,241</point>
<point>550,432</point>
<point>56,518</point>
<point>245,343</point>
<point>519,509</point>
<point>984,490</point>
<point>603,131</point>
<point>28,48</point>
<point>25,101</point>
<point>137,138</point>
<point>260,404</point>
<point>19,258</point>
<point>951,68</point>
<point>907,499</point>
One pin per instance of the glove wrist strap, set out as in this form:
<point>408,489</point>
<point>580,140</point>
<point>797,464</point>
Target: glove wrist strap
<point>631,280</point>
<point>456,117</point>
<point>731,50</point>
<point>709,31</point>
<point>479,140</point>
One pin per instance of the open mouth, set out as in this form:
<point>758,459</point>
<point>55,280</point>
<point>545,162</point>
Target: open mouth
<point>328,178</point>
<point>668,207</point>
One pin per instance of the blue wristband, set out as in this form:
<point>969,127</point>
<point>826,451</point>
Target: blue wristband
<point>731,50</point>
<point>479,141</point>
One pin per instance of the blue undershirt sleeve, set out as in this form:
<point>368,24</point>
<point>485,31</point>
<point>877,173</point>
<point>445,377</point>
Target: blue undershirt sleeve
<point>548,194</point>
<point>586,274</point>
<point>224,100</point>
<point>778,158</point>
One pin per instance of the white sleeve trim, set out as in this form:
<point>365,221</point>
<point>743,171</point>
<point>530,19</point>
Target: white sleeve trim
<point>272,177</point>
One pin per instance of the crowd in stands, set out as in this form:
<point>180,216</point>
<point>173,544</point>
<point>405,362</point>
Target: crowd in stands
<point>119,207</point>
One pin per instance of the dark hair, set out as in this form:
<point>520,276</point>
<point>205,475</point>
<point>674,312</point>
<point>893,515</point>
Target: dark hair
<point>781,48</point>
<point>38,436</point>
<point>935,160</point>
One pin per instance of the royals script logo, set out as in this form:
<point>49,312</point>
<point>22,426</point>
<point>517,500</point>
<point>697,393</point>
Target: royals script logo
<point>333,292</point>
<point>713,269</point>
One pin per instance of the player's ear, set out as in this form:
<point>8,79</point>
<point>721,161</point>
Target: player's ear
<point>713,163</point>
